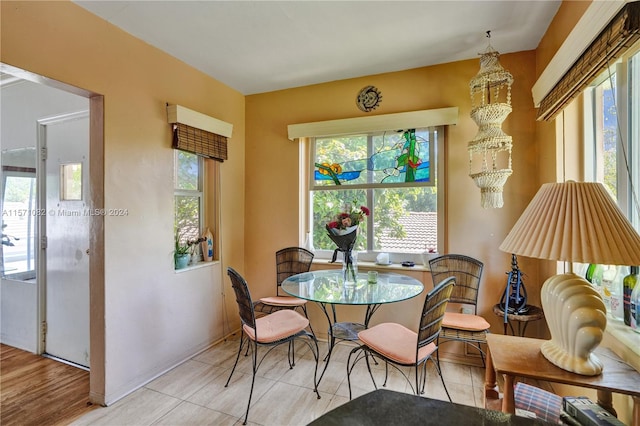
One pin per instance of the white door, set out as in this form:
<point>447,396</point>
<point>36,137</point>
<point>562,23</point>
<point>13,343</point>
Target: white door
<point>66,255</point>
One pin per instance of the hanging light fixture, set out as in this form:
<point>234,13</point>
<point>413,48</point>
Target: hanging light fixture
<point>490,149</point>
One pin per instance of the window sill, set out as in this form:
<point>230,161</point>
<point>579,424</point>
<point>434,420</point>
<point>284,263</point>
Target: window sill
<point>198,265</point>
<point>374,266</point>
<point>624,339</point>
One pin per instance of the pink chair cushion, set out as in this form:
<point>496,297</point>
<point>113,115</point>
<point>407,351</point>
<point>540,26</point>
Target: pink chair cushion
<point>464,321</point>
<point>276,326</point>
<point>283,301</point>
<point>395,342</point>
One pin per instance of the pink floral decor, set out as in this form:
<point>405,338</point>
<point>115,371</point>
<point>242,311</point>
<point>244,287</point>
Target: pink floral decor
<point>343,231</point>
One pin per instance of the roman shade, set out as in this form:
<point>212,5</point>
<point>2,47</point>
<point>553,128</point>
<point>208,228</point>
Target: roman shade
<point>620,34</point>
<point>198,133</point>
<point>199,142</point>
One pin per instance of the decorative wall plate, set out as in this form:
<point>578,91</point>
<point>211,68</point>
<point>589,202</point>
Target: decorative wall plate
<point>368,98</point>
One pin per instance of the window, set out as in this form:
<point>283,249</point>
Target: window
<point>613,134</point>
<point>18,224</point>
<point>392,173</point>
<point>188,181</point>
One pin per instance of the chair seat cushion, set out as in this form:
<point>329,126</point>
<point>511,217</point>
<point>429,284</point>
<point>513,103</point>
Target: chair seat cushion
<point>277,326</point>
<point>395,342</point>
<point>283,301</point>
<point>464,322</point>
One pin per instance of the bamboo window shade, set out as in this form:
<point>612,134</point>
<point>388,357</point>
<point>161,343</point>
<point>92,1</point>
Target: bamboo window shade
<point>199,142</point>
<point>620,34</point>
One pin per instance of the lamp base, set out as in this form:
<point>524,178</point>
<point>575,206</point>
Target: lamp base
<point>577,318</point>
<point>589,366</point>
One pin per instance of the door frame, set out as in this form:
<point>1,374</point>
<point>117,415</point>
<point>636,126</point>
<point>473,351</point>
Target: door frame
<point>97,387</point>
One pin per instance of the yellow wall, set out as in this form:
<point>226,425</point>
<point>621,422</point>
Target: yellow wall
<point>272,195</point>
<point>154,317</point>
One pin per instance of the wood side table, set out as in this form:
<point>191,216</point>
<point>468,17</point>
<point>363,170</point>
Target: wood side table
<point>534,314</point>
<point>514,357</point>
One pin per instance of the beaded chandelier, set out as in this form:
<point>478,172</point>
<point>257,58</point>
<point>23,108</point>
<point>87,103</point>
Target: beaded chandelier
<point>490,149</point>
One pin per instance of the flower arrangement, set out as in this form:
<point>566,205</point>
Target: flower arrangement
<point>346,220</point>
<point>186,247</point>
<point>342,231</point>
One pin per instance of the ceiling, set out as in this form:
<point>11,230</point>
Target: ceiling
<point>262,46</point>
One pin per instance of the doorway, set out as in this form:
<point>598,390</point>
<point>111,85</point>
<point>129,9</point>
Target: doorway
<point>92,258</point>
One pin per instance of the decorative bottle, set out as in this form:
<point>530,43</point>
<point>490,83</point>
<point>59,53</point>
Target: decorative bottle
<point>594,276</point>
<point>616,297</point>
<point>629,283</point>
<point>634,309</point>
<point>608,275</point>
<point>207,246</point>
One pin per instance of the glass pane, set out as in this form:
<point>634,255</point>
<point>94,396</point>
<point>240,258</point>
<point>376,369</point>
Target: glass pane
<point>187,217</point>
<point>327,205</point>
<point>606,135</point>
<point>401,157</point>
<point>19,225</point>
<point>71,182</point>
<point>634,140</point>
<point>187,170</point>
<point>406,220</point>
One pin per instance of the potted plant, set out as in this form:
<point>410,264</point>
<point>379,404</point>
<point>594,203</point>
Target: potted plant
<point>181,254</point>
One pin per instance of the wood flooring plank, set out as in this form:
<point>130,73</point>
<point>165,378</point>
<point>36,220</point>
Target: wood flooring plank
<point>35,390</point>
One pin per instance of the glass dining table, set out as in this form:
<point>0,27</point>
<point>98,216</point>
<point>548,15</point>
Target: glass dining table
<point>328,289</point>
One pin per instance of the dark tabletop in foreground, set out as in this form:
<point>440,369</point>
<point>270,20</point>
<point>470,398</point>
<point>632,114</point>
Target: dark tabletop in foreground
<point>385,407</point>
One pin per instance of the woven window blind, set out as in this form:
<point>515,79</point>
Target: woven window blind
<point>620,34</point>
<point>199,142</point>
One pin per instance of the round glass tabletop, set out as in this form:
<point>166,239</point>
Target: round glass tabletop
<point>327,286</point>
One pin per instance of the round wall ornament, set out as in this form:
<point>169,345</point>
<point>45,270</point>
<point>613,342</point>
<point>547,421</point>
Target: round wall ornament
<point>368,98</point>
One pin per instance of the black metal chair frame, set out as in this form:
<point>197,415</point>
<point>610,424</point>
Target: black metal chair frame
<point>466,291</point>
<point>289,261</point>
<point>248,318</point>
<point>435,305</point>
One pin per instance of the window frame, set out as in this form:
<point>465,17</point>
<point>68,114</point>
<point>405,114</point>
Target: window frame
<point>439,184</point>
<point>199,192</point>
<point>627,103</point>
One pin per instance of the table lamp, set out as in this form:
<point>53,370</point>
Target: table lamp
<point>574,222</point>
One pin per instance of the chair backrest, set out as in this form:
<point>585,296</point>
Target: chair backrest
<point>243,298</point>
<point>433,311</point>
<point>291,261</point>
<point>467,272</point>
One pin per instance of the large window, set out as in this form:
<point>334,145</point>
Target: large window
<point>613,135</point>
<point>188,181</point>
<point>392,173</point>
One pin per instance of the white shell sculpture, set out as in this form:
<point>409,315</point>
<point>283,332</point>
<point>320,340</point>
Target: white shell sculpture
<point>577,318</point>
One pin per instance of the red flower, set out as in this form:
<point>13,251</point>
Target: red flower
<point>333,224</point>
<point>365,210</point>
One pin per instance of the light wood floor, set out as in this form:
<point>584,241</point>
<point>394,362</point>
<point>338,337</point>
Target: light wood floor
<point>194,393</point>
<point>35,390</point>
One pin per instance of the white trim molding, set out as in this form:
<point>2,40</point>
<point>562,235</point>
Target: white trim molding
<point>595,18</point>
<point>182,115</point>
<point>376,123</point>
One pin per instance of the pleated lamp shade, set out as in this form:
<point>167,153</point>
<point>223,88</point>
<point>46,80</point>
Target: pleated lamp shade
<point>574,222</point>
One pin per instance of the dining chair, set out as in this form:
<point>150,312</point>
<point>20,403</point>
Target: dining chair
<point>469,328</point>
<point>289,261</point>
<point>272,330</point>
<point>399,346</point>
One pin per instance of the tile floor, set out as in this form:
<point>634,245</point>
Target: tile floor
<point>194,394</point>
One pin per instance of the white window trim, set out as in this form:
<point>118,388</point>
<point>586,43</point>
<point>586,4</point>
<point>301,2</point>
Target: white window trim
<point>376,123</point>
